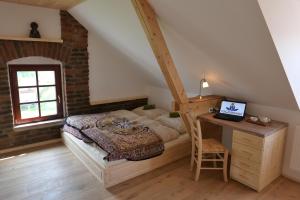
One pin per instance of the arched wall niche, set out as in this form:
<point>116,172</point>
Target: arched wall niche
<point>39,60</point>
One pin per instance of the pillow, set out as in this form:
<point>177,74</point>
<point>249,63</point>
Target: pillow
<point>124,113</point>
<point>174,114</point>
<point>149,107</point>
<point>152,114</point>
<point>140,119</point>
<point>175,123</point>
<point>165,133</point>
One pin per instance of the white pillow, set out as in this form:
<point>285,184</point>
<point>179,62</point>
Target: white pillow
<point>165,133</point>
<point>175,123</point>
<point>141,119</point>
<point>152,113</point>
<point>124,113</point>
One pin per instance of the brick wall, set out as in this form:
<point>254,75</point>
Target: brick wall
<point>74,56</point>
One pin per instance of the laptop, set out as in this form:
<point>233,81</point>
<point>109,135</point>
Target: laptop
<point>232,110</point>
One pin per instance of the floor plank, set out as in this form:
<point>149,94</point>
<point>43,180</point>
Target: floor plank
<point>55,173</point>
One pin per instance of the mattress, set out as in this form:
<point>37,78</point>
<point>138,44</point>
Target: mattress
<point>93,150</point>
<point>167,134</point>
<point>97,154</point>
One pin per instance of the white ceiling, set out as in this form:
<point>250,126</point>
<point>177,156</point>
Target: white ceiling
<point>228,40</point>
<point>283,19</point>
<point>234,34</point>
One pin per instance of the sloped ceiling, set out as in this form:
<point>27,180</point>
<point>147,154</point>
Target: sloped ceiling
<point>283,19</point>
<point>227,40</point>
<point>117,23</point>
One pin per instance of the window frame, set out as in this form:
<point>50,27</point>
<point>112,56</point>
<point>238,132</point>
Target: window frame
<point>13,69</point>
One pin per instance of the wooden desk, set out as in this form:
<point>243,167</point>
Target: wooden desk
<point>260,131</point>
<point>257,151</point>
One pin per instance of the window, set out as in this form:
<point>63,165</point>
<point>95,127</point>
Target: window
<point>36,92</point>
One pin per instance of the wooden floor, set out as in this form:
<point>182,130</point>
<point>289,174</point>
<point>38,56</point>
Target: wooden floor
<point>55,173</point>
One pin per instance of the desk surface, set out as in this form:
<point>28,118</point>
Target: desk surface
<point>261,131</point>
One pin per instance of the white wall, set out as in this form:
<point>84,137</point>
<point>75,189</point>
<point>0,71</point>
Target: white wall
<point>115,71</point>
<point>163,98</point>
<point>283,19</point>
<point>117,23</point>
<point>112,75</point>
<point>15,20</point>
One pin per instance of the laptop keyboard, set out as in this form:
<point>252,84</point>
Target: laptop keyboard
<point>227,117</point>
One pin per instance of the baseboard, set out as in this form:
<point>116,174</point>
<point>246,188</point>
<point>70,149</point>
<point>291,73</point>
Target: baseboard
<point>29,146</point>
<point>292,176</point>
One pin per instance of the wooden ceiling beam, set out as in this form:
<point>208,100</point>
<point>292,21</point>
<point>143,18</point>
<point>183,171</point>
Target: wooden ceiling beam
<point>159,46</point>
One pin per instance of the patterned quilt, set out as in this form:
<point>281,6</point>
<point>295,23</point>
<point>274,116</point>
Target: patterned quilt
<point>119,137</point>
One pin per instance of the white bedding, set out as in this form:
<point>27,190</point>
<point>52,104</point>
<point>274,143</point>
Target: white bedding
<point>125,113</point>
<point>151,114</point>
<point>97,154</point>
<point>168,135</point>
<point>175,123</point>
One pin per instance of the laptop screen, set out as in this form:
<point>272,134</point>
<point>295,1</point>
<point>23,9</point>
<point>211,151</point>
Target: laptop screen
<point>233,108</point>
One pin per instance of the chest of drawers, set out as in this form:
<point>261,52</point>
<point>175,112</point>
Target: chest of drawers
<point>256,161</point>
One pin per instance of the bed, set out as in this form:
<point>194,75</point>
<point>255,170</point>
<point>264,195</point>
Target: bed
<point>110,172</point>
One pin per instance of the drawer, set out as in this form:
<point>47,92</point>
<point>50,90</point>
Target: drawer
<point>246,153</point>
<point>248,139</point>
<point>244,177</point>
<point>244,164</point>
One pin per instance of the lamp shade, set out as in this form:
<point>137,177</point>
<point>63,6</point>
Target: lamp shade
<point>205,84</point>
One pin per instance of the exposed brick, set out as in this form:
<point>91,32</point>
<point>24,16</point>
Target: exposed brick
<point>73,54</point>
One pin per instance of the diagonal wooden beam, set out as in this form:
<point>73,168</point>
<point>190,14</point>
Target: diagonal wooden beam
<point>159,46</point>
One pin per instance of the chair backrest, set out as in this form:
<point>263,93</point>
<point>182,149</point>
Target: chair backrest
<point>195,126</point>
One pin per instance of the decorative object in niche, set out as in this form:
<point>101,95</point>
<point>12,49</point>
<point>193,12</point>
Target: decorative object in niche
<point>34,33</point>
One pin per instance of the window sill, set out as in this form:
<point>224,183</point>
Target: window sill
<point>38,125</point>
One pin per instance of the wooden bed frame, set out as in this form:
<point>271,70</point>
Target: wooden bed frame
<point>111,175</point>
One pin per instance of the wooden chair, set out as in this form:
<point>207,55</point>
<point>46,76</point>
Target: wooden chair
<point>206,150</point>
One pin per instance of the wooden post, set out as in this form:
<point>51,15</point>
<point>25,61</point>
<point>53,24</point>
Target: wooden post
<point>156,39</point>
<point>158,44</point>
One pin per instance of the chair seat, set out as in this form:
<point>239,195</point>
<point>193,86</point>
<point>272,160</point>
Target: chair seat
<point>212,146</point>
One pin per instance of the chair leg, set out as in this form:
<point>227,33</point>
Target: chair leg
<point>193,155</point>
<point>225,164</point>
<point>199,160</point>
